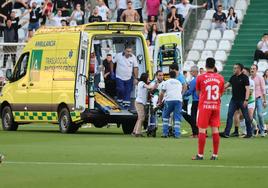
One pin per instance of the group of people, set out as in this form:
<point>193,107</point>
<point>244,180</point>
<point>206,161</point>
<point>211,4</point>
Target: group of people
<point>206,90</point>
<point>248,101</point>
<point>161,15</point>
<point>222,21</point>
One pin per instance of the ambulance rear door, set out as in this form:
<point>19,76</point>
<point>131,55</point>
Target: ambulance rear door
<point>81,73</point>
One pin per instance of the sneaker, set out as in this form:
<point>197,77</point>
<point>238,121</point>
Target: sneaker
<point>234,134</point>
<point>247,136</point>
<point>263,134</point>
<point>139,135</point>
<point>223,135</point>
<point>1,158</point>
<point>197,157</point>
<point>213,158</point>
<point>164,136</point>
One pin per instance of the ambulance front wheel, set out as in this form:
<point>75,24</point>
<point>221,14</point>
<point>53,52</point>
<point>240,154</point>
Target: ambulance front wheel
<point>8,122</point>
<point>65,122</point>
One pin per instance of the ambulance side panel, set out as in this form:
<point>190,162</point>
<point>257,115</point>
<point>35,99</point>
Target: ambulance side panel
<point>64,73</point>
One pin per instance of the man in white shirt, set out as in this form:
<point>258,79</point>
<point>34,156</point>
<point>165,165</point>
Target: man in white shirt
<point>103,10</point>
<point>137,5</point>
<point>262,49</point>
<point>184,7</point>
<point>55,20</point>
<point>172,89</point>
<point>121,5</point>
<point>126,65</point>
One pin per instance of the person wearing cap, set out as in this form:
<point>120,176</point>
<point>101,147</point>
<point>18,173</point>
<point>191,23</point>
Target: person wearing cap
<point>262,49</point>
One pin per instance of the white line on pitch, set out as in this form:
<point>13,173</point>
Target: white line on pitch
<point>135,165</point>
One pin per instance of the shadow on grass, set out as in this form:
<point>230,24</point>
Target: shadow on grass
<point>82,132</point>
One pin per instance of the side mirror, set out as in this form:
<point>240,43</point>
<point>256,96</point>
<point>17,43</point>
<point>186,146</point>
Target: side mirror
<point>9,74</point>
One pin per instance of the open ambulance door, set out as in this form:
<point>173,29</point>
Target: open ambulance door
<point>81,73</point>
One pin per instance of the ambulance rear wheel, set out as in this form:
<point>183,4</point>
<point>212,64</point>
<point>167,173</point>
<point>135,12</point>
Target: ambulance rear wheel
<point>128,127</point>
<point>8,122</point>
<point>65,122</point>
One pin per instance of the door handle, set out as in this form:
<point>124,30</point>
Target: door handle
<point>31,84</point>
<point>23,85</point>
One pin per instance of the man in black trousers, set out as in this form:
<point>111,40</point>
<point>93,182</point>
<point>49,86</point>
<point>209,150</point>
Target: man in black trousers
<point>239,100</point>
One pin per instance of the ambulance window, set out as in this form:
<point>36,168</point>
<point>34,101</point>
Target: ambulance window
<point>21,67</point>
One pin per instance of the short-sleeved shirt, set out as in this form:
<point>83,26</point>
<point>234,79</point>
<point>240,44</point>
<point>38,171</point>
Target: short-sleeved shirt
<point>35,15</point>
<point>221,18</point>
<point>141,93</point>
<point>93,18</point>
<point>181,78</point>
<point>211,87</point>
<point>159,87</point>
<point>172,89</point>
<point>122,4</point>
<point>259,86</point>
<point>239,84</point>
<point>124,66</point>
<point>183,9</point>
<point>251,98</point>
<point>137,4</point>
<point>103,12</point>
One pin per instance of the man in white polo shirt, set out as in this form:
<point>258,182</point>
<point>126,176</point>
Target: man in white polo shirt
<point>126,65</point>
<point>184,7</point>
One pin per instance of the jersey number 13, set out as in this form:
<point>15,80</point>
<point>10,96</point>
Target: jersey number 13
<point>213,92</point>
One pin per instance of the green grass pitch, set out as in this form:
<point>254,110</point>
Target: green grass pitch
<point>38,156</point>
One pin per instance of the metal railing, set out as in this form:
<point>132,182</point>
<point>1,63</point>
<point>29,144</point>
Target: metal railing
<point>190,23</point>
<point>6,52</point>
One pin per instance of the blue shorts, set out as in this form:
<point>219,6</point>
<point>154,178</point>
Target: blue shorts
<point>33,26</point>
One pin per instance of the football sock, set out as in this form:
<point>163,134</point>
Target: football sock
<point>243,126</point>
<point>216,142</point>
<point>201,143</point>
<point>236,130</point>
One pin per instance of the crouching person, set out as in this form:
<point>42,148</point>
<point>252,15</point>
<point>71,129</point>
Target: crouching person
<point>172,89</point>
<point>141,101</point>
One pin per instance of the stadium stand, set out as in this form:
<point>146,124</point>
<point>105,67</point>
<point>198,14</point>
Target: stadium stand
<point>255,23</point>
<point>213,43</point>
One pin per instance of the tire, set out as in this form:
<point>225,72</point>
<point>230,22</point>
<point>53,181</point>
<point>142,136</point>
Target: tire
<point>8,122</point>
<point>128,127</point>
<point>65,122</point>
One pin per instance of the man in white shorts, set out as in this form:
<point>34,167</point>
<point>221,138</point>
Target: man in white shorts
<point>251,104</point>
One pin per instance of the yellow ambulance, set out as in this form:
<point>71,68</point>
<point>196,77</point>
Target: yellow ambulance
<point>52,79</point>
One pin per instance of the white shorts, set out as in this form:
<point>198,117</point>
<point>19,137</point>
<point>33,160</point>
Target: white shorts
<point>251,105</point>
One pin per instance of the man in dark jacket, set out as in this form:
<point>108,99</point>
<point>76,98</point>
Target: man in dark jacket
<point>10,36</point>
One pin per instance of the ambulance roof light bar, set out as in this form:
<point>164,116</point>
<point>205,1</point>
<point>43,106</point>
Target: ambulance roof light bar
<point>96,26</point>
